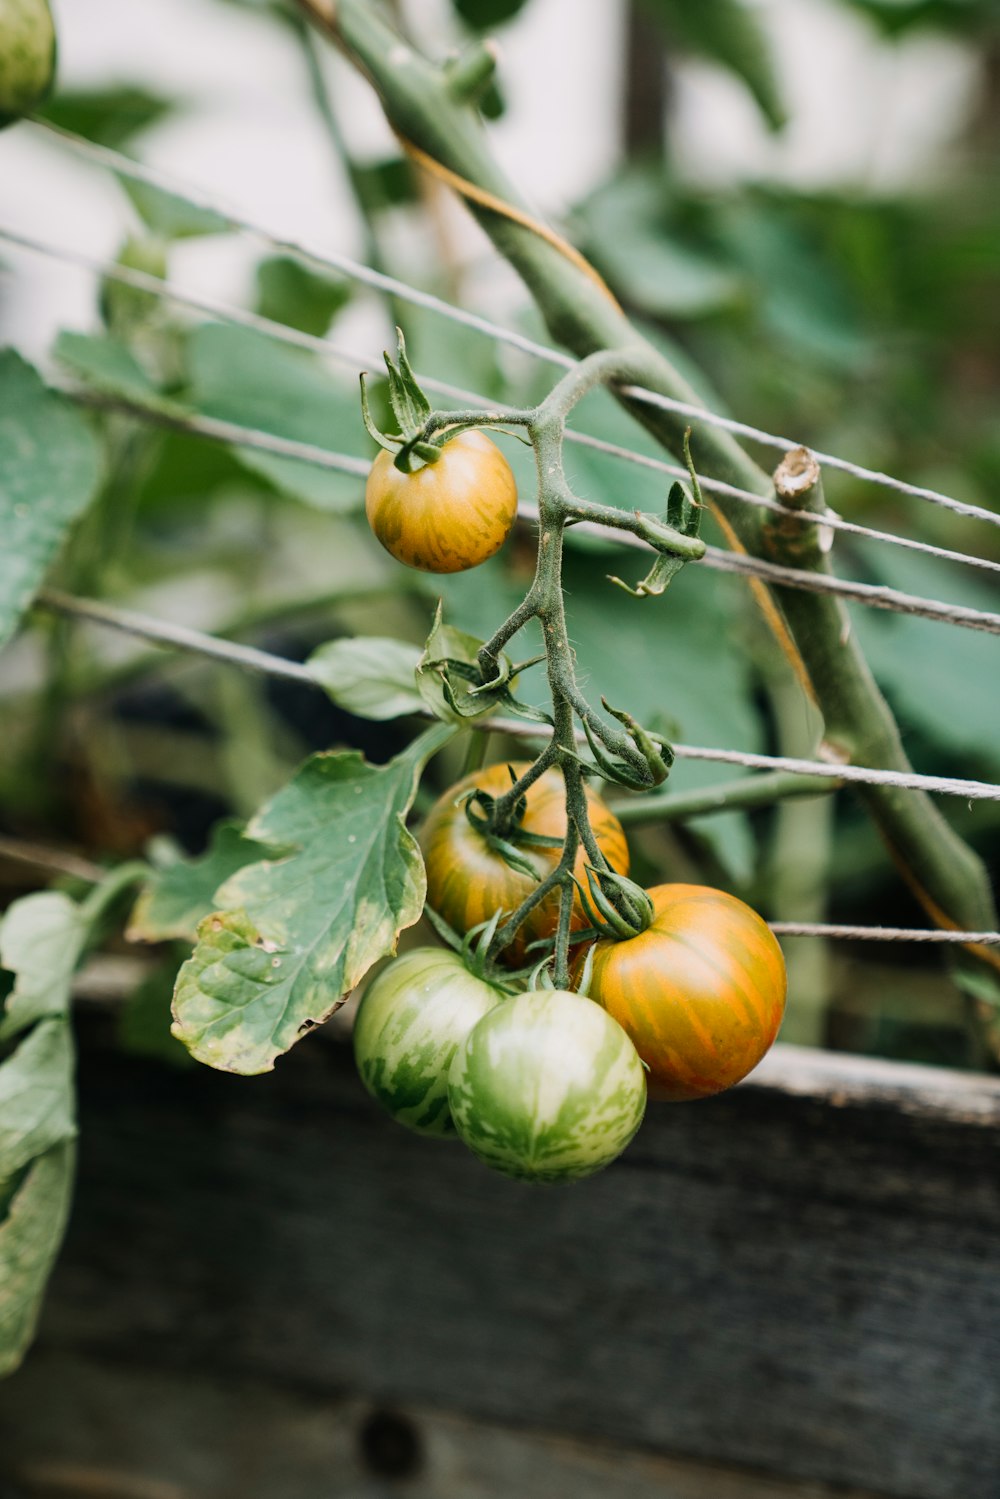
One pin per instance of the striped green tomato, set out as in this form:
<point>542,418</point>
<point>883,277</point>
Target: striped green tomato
<point>547,1087</point>
<point>409,1025</point>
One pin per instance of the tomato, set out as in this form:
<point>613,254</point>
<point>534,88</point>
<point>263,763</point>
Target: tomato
<point>547,1087</point>
<point>410,1023</point>
<point>27,56</point>
<point>467,881</point>
<point>449,515</point>
<point>701,992</point>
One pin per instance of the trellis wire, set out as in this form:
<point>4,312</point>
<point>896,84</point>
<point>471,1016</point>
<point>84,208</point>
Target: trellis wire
<point>161,632</point>
<point>243,317</point>
<point>182,637</point>
<point>873,595</point>
<point>125,165</point>
<point>881,933</point>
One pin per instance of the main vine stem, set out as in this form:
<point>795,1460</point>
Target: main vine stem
<point>430,110</point>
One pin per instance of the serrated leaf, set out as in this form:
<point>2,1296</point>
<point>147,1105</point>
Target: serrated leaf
<point>294,935</point>
<point>49,472</point>
<point>41,938</point>
<point>243,377</point>
<point>369,675</point>
<point>180,895</point>
<point>37,1207</point>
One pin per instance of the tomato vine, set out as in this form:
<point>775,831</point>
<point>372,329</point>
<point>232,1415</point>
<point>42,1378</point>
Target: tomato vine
<point>623,752</point>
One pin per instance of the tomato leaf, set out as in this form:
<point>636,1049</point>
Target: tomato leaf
<point>448,675</point>
<point>178,896</point>
<point>49,471</point>
<point>369,675</point>
<point>294,935</point>
<point>109,115</point>
<point>170,216</point>
<point>289,292</point>
<point>36,1096</point>
<point>730,34</point>
<point>241,376</point>
<point>105,364</point>
<point>37,1207</point>
<point>41,938</point>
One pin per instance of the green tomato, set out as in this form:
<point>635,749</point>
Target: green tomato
<point>547,1087</point>
<point>409,1025</point>
<point>27,56</point>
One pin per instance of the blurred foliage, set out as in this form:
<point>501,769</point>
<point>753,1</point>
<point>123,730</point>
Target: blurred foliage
<point>109,116</point>
<point>861,323</point>
<point>730,33</point>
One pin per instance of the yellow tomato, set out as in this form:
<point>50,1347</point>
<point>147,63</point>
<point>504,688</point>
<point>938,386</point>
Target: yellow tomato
<point>467,881</point>
<point>447,516</point>
<point>701,992</point>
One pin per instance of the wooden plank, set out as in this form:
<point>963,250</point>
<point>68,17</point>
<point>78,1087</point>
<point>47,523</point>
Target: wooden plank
<point>802,1277</point>
<point>77,1429</point>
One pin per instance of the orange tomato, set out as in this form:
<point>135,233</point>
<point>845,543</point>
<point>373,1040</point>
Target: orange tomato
<point>446,516</point>
<point>467,881</point>
<point>701,992</point>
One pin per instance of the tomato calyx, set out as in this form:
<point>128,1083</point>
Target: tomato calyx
<point>503,831</point>
<point>411,409</point>
<point>643,760</point>
<point>616,906</point>
<point>683,518</point>
<point>474,949</point>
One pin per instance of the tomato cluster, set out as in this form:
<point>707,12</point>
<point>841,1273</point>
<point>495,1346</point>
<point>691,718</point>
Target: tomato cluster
<point>550,1085</point>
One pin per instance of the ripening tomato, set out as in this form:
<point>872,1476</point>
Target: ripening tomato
<point>467,881</point>
<point>412,1019</point>
<point>446,516</point>
<point>546,1087</point>
<point>701,992</point>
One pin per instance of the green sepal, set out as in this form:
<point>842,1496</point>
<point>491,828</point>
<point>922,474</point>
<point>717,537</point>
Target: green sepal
<point>583,987</point>
<point>658,755</point>
<point>369,421</point>
<point>683,519</point>
<point>604,911</point>
<point>474,948</point>
<point>449,677</point>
